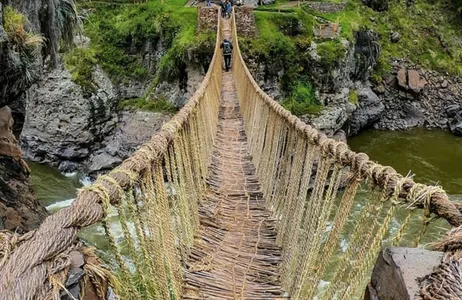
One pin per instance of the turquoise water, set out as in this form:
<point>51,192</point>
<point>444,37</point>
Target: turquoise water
<point>434,156</point>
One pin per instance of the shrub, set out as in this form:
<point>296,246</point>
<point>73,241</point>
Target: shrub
<point>80,63</point>
<point>353,97</point>
<point>302,100</point>
<point>331,52</point>
<point>14,23</point>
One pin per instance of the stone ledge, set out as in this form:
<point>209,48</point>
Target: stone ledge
<point>398,271</point>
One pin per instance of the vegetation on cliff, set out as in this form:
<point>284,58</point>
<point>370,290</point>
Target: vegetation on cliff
<point>25,44</point>
<point>123,32</point>
<point>429,33</point>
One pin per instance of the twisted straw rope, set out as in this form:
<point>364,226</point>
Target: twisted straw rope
<point>23,274</point>
<point>439,203</point>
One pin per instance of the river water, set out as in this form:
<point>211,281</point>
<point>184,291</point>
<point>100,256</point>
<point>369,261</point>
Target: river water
<point>434,156</point>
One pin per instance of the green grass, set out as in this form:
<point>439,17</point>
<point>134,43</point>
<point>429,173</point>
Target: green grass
<point>422,26</point>
<point>302,99</point>
<point>431,33</point>
<point>80,63</point>
<point>331,52</point>
<point>353,97</point>
<point>120,30</point>
<point>156,105</point>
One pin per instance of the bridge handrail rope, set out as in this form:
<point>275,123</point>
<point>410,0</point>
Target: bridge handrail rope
<point>24,271</point>
<point>284,150</point>
<point>309,181</point>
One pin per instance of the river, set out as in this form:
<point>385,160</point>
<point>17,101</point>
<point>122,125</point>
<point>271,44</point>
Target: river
<point>434,156</point>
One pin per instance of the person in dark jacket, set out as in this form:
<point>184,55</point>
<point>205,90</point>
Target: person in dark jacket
<point>227,47</point>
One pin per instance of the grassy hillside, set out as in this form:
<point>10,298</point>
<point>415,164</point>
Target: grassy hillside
<point>431,36</point>
<point>119,30</point>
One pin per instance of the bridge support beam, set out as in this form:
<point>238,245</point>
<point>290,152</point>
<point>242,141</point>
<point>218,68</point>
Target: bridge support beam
<point>398,271</point>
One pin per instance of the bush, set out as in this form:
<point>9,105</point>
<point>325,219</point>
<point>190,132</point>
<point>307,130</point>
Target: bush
<point>302,100</point>
<point>353,97</point>
<point>331,52</point>
<point>22,41</point>
<point>80,63</point>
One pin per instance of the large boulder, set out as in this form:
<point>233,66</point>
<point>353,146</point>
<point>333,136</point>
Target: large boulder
<point>20,211</point>
<point>398,273</point>
<point>415,81</point>
<point>369,111</point>
<point>63,126</point>
<point>135,129</point>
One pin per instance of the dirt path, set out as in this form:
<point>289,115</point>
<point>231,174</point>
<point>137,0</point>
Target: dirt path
<point>236,256</point>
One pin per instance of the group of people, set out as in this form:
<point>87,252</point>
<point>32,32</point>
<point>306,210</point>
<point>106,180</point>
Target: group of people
<point>226,6</point>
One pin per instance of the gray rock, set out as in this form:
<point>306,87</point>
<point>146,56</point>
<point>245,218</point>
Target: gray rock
<point>369,111</point>
<point>444,84</point>
<point>367,53</point>
<point>395,37</point>
<point>412,115</point>
<point>456,127</point>
<point>398,271</point>
<point>135,128</point>
<point>256,3</point>
<point>61,124</point>
<point>453,110</point>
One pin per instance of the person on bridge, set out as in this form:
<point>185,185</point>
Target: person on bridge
<point>223,8</point>
<point>227,47</point>
<point>228,8</point>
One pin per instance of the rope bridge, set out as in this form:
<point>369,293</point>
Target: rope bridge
<point>234,198</point>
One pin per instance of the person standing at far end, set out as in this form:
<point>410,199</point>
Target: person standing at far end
<point>229,8</point>
<point>227,47</point>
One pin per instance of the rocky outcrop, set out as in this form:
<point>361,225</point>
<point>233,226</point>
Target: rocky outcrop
<point>62,126</point>
<point>256,3</point>
<point>207,18</point>
<point>366,53</point>
<point>134,129</point>
<point>179,91</point>
<point>416,97</point>
<point>398,273</point>
<point>16,81</point>
<point>341,113</point>
<point>368,111</point>
<point>19,209</point>
<point>326,7</point>
<point>70,131</point>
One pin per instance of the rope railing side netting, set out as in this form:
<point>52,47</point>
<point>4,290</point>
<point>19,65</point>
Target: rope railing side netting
<point>155,194</point>
<point>312,184</point>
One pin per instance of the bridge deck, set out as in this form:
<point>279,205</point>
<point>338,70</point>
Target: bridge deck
<point>236,256</point>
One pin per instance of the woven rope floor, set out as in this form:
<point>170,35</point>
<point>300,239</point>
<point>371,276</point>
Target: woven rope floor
<point>236,256</point>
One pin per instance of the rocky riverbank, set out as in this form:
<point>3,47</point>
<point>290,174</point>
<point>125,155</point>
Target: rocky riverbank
<point>415,97</point>
<point>351,99</point>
